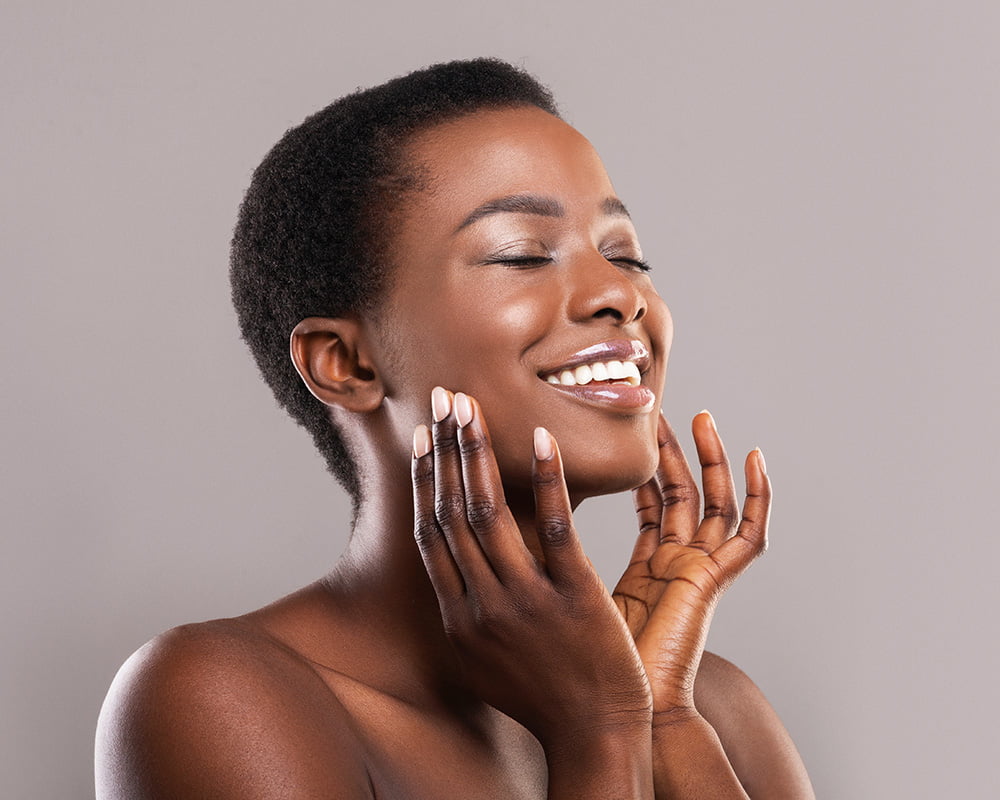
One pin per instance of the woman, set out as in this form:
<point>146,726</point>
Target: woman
<point>444,250</point>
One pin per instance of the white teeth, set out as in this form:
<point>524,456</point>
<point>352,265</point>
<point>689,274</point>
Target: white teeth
<point>599,371</point>
<point>632,373</point>
<point>616,370</point>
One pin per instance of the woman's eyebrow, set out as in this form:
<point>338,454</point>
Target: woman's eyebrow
<point>534,204</point>
<point>613,207</point>
<point>514,204</point>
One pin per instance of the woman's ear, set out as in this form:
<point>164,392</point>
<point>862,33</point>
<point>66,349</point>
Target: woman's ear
<point>331,356</point>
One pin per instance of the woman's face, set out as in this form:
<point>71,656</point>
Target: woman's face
<point>515,267</point>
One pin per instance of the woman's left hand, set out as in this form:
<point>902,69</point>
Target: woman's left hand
<point>683,561</point>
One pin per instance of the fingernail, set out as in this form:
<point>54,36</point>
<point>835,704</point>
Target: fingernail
<point>543,444</point>
<point>422,442</point>
<point>463,409</point>
<point>760,458</point>
<point>708,414</point>
<point>440,403</point>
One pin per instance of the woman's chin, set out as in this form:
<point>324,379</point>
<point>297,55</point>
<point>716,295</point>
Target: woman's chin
<point>607,478</point>
<point>590,471</point>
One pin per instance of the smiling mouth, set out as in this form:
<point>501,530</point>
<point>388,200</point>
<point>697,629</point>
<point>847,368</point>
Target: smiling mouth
<point>625,373</point>
<point>606,375</point>
<point>613,384</point>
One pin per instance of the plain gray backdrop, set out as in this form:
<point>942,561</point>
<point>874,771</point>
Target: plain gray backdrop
<point>817,186</point>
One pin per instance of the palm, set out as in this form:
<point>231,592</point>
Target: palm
<point>673,578</point>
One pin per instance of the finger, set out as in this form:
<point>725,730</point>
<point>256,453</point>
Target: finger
<point>678,492</point>
<point>445,577</point>
<point>564,557</point>
<point>449,493</point>
<point>737,553</point>
<point>649,511</point>
<point>721,512</point>
<point>485,506</point>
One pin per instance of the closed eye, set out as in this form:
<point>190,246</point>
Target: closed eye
<point>633,263</point>
<point>526,262</point>
<point>522,262</point>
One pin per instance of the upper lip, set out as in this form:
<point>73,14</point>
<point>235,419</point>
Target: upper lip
<point>612,350</point>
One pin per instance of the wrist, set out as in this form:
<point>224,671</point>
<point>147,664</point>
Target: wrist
<point>668,719</point>
<point>610,761</point>
<point>627,720</point>
<point>602,740</point>
<point>688,758</point>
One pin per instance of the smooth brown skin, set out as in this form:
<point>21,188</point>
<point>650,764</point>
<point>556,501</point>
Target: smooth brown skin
<point>470,650</point>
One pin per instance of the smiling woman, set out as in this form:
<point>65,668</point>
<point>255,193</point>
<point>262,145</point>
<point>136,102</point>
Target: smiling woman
<point>441,251</point>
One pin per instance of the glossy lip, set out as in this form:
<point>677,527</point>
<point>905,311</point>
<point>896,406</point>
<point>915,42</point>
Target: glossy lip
<point>612,350</point>
<point>620,396</point>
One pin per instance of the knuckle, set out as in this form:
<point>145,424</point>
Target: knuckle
<point>423,473</point>
<point>752,533</point>
<point>762,494</point>
<point>472,445</point>
<point>557,531</point>
<point>724,511</point>
<point>645,509</point>
<point>482,512</point>
<point>675,493</point>
<point>548,479</point>
<point>523,608</point>
<point>444,443</point>
<point>425,529</point>
<point>486,618</point>
<point>449,509</point>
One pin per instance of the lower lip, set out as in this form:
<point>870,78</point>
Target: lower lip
<point>623,396</point>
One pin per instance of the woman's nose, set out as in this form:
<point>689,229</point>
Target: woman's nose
<point>601,288</point>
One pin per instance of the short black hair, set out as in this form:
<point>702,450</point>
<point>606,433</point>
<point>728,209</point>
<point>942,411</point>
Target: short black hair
<point>312,232</point>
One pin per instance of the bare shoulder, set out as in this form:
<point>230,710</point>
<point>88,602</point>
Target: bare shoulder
<point>756,742</point>
<point>220,709</point>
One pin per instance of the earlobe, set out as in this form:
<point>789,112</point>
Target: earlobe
<point>331,356</point>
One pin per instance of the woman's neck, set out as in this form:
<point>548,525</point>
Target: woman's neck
<point>380,583</point>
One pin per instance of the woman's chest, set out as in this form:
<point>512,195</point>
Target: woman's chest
<point>412,753</point>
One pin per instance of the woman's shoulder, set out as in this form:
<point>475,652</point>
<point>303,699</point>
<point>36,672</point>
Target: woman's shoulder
<point>209,657</point>
<point>209,708</point>
<point>755,740</point>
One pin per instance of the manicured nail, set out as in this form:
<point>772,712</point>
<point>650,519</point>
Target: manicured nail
<point>708,414</point>
<point>463,409</point>
<point>543,444</point>
<point>760,458</point>
<point>440,403</point>
<point>422,442</point>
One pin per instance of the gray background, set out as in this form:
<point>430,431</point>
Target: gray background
<point>817,186</point>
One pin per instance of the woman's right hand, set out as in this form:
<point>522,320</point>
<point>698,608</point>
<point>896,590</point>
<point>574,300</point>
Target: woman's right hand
<point>544,643</point>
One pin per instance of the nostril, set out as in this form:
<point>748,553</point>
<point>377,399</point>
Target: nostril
<point>608,311</point>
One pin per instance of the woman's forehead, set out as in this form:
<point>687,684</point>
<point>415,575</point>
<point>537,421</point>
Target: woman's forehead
<point>522,152</point>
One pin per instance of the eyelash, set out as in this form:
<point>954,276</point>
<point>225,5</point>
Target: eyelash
<point>636,263</point>
<point>538,261</point>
